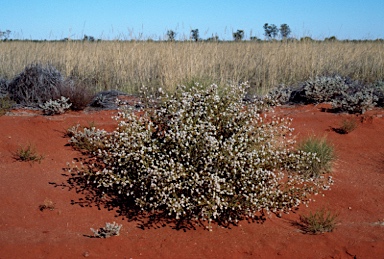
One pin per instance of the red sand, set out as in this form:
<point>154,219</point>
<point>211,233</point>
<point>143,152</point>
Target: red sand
<point>28,232</point>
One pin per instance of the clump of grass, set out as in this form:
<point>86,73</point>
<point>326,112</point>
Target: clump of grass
<point>319,222</point>
<point>47,205</point>
<point>347,126</point>
<point>28,154</point>
<point>324,152</point>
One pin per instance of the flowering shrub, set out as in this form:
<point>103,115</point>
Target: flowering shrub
<point>198,154</point>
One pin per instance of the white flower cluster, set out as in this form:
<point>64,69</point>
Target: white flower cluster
<point>203,154</point>
<point>58,106</point>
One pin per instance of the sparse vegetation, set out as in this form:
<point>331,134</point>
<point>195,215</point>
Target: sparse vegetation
<point>110,229</point>
<point>28,154</point>
<point>347,126</point>
<point>47,205</point>
<point>319,222</point>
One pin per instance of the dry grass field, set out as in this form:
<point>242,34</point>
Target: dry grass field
<point>129,65</point>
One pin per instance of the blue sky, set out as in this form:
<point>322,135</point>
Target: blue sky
<point>111,19</point>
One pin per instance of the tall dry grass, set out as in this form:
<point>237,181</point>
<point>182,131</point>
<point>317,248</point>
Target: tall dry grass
<point>128,65</point>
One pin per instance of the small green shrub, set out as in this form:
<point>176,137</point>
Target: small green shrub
<point>28,154</point>
<point>198,154</point>
<point>324,155</point>
<point>319,222</point>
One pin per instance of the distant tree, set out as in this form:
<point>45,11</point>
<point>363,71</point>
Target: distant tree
<point>171,35</point>
<point>332,38</point>
<point>284,31</point>
<point>238,35</point>
<point>89,38</point>
<point>254,38</point>
<point>195,34</point>
<point>5,34</point>
<point>270,31</point>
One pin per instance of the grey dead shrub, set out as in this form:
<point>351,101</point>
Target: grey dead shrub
<point>36,85</point>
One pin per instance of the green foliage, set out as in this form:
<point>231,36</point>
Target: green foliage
<point>324,153</point>
<point>28,154</point>
<point>284,31</point>
<point>270,30</point>
<point>198,154</point>
<point>238,35</point>
<point>319,222</point>
<point>195,34</point>
<point>171,35</point>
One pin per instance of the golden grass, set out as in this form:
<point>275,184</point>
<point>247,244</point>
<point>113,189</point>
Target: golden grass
<point>129,65</point>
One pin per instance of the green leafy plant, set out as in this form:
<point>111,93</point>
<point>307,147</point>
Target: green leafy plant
<point>319,222</point>
<point>28,154</point>
<point>200,155</point>
<point>324,151</point>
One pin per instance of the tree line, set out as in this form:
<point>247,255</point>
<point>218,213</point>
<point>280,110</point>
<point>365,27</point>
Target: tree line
<point>271,33</point>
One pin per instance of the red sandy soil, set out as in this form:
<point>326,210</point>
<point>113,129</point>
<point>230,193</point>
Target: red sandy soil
<point>27,232</point>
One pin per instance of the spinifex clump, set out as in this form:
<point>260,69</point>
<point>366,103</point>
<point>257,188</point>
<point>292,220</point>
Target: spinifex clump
<point>201,154</point>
